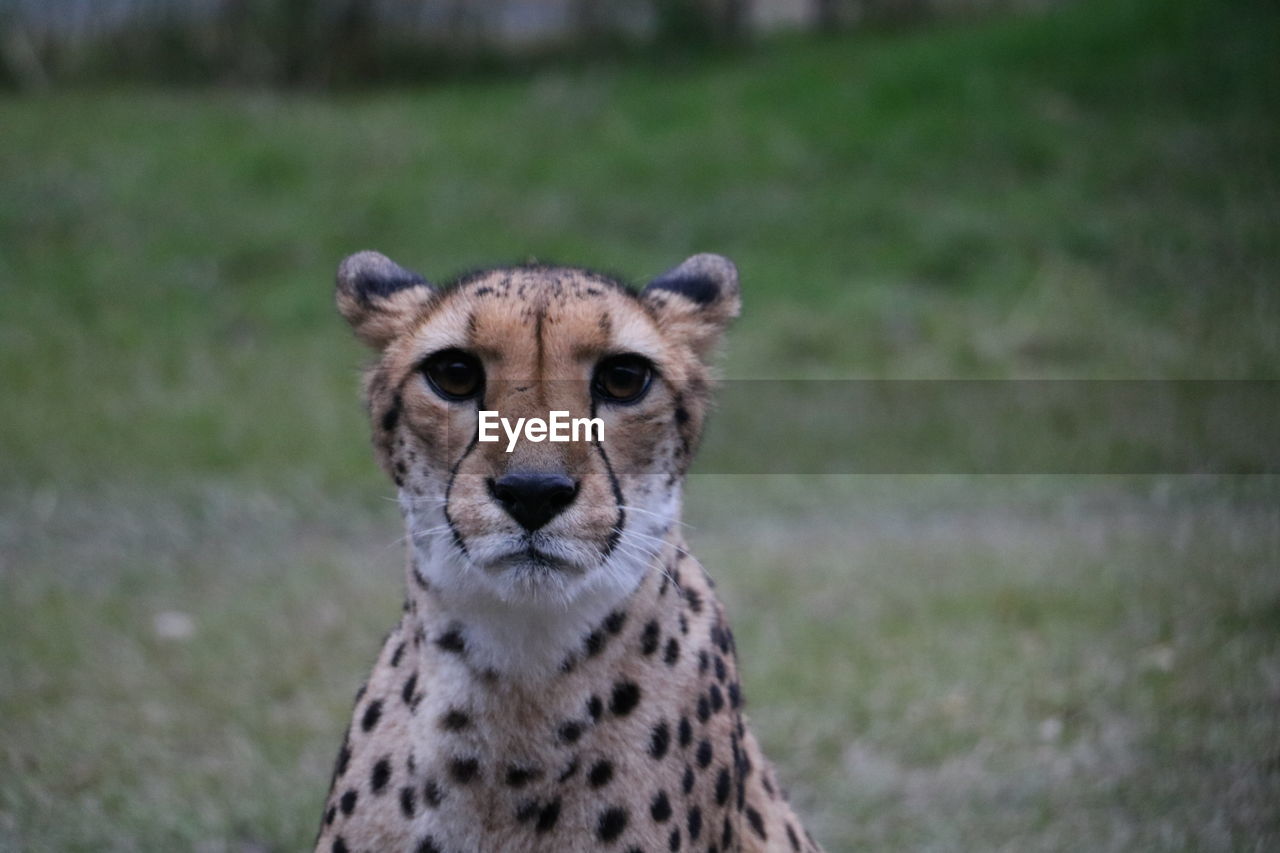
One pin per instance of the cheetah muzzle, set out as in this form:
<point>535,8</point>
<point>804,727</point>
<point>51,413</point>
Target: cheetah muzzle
<point>563,676</point>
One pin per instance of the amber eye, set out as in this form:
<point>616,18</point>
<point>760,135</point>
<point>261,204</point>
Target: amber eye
<point>622,378</point>
<point>454,374</point>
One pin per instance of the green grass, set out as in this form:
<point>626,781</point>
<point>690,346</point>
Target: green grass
<point>952,663</point>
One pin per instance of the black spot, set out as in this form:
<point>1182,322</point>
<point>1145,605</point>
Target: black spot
<point>721,672</point>
<point>526,810</point>
<point>407,802</point>
<point>381,774</point>
<point>431,794</point>
<point>726,833</point>
<point>595,708</point>
<point>428,845</point>
<point>329,815</point>
<point>626,695</point>
<point>614,621</point>
<point>682,415</point>
<point>344,758</point>
<point>397,654</point>
<point>695,600</point>
<point>660,808</point>
<point>451,641</point>
<point>695,823</point>
<point>686,784</point>
<point>723,784</point>
<point>757,823</point>
<point>659,739</point>
<point>548,816</point>
<point>703,660</point>
<point>348,801</point>
<point>768,786</point>
<point>570,731</point>
<point>717,699</point>
<point>391,416</point>
<point>593,643</point>
<point>735,695</point>
<point>339,846</point>
<point>673,840</point>
<point>463,770</point>
<point>792,838</point>
<point>422,584</point>
<point>649,638</point>
<point>410,685</point>
<point>686,731</point>
<point>684,624</point>
<point>612,822</point>
<point>454,720</point>
<point>518,777</point>
<point>704,753</point>
<point>600,775</point>
<point>672,652</point>
<point>704,709</point>
<point>371,715</point>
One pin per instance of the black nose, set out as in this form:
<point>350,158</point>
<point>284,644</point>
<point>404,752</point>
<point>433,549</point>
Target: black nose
<point>533,499</point>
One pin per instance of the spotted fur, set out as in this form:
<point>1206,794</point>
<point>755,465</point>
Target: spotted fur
<point>569,688</point>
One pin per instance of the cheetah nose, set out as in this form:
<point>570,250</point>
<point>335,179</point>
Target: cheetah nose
<point>533,498</point>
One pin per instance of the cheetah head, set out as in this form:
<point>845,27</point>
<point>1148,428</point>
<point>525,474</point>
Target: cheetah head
<point>544,522</point>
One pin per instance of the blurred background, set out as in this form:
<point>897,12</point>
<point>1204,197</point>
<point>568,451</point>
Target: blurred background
<point>198,557</point>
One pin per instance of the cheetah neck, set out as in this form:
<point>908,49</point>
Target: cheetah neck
<point>527,641</point>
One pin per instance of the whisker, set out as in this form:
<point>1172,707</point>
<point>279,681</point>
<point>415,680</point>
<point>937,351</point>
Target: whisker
<point>629,508</point>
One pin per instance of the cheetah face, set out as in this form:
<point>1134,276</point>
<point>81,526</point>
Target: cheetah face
<point>542,521</point>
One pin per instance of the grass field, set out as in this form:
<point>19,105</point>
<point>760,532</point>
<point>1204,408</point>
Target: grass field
<point>198,558</point>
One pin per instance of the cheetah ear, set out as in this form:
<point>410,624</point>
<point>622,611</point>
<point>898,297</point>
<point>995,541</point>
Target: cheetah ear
<point>696,300</point>
<point>378,297</point>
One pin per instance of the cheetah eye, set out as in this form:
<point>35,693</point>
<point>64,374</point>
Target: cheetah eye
<point>454,374</point>
<point>622,378</point>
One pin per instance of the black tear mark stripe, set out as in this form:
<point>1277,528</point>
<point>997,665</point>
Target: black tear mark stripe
<point>615,532</point>
<point>448,490</point>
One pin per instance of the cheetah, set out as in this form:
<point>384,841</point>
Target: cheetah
<point>562,676</point>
